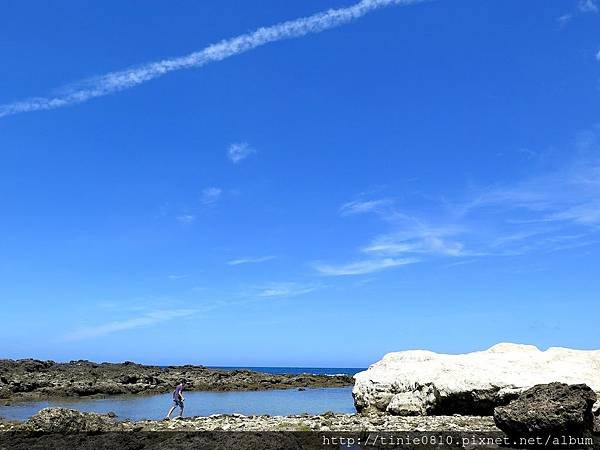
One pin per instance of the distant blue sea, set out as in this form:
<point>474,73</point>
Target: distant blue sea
<point>300,370</point>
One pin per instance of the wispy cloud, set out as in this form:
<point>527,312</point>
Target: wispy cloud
<point>210,195</point>
<point>120,80</point>
<point>553,211</point>
<point>570,195</point>
<point>177,277</point>
<point>364,206</point>
<point>238,152</point>
<point>598,56</point>
<point>564,19</point>
<point>249,260</point>
<point>423,240</point>
<point>186,219</point>
<point>583,7</point>
<point>362,267</point>
<point>412,240</point>
<point>543,212</point>
<point>145,320</point>
<point>286,289</point>
<point>588,6</point>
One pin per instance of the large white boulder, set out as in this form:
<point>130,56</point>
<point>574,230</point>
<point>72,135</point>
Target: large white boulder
<point>422,382</point>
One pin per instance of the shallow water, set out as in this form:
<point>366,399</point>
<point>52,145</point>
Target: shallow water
<point>275,402</point>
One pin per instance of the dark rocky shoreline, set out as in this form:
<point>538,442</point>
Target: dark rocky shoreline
<point>63,420</point>
<point>60,428</point>
<point>29,379</point>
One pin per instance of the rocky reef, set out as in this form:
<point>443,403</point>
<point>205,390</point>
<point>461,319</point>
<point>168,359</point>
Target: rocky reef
<point>422,382</point>
<point>32,379</point>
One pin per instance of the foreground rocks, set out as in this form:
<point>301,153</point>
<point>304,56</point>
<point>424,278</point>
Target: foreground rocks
<point>421,382</point>
<point>549,410</point>
<point>33,379</point>
<point>62,420</point>
<point>59,428</point>
<point>73,429</point>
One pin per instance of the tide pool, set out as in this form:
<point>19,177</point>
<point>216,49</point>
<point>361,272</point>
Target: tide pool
<point>272,402</point>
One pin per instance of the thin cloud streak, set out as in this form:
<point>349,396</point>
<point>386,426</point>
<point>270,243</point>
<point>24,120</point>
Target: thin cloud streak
<point>564,19</point>
<point>286,289</point>
<point>362,267</point>
<point>177,277</point>
<point>124,79</point>
<point>364,206</point>
<point>145,320</point>
<point>571,195</point>
<point>238,261</point>
<point>425,241</point>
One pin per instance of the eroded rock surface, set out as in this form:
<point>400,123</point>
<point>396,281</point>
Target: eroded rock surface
<point>227,431</point>
<point>549,409</point>
<point>33,379</point>
<point>67,429</point>
<point>424,382</point>
<point>63,420</point>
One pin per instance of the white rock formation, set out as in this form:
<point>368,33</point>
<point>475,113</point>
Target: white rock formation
<point>420,382</point>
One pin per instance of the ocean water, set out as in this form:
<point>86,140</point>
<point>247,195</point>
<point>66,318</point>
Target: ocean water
<point>301,370</point>
<point>272,402</point>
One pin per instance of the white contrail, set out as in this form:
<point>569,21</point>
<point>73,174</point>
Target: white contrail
<point>124,79</point>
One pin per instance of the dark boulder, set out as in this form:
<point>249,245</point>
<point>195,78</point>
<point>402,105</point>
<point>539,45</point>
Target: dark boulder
<point>554,409</point>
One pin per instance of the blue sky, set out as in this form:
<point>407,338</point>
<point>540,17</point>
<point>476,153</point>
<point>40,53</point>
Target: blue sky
<point>389,176</point>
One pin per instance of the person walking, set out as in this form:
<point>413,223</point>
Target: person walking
<point>177,400</point>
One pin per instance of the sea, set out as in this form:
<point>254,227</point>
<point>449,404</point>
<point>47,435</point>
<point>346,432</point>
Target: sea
<point>299,370</point>
<point>279,402</point>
